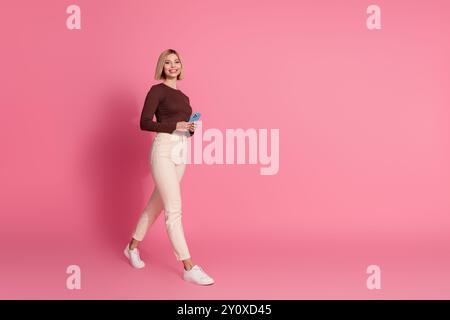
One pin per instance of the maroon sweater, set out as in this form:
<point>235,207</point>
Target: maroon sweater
<point>169,105</point>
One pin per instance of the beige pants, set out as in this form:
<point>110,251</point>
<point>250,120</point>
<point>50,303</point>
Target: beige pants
<point>168,161</point>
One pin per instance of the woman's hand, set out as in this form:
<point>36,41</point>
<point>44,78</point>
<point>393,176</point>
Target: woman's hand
<point>192,126</point>
<point>186,125</point>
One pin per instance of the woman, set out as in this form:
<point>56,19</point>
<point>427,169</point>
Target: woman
<point>172,110</point>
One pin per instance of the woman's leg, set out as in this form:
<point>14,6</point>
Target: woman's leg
<point>180,168</point>
<point>148,217</point>
<point>167,176</point>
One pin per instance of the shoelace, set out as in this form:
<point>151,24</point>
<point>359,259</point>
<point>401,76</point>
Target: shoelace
<point>203,273</point>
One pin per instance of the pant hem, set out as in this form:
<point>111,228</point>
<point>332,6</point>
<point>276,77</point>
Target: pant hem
<point>181,259</point>
<point>136,238</point>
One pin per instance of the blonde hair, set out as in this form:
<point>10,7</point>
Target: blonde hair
<point>159,72</point>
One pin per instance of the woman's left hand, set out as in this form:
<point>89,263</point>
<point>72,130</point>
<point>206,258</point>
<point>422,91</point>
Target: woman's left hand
<point>192,126</point>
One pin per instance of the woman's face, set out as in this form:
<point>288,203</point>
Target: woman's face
<point>172,66</point>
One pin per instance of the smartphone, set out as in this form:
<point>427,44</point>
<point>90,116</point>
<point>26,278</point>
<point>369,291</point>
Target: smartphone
<point>195,116</point>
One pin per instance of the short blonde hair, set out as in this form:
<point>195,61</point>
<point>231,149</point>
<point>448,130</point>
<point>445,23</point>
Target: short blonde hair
<point>159,72</point>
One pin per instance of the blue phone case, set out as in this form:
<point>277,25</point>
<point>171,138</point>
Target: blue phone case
<point>195,117</point>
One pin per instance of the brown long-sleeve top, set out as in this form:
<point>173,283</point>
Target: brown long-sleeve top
<point>169,105</point>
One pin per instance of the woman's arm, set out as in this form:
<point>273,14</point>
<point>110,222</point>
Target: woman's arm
<point>150,105</point>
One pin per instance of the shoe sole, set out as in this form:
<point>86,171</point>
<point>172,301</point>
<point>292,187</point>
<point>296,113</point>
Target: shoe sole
<point>125,252</point>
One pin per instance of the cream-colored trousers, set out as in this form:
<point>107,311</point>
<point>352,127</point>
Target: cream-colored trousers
<point>168,161</point>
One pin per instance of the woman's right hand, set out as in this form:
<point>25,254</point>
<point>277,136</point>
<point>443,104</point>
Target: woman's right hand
<point>186,125</point>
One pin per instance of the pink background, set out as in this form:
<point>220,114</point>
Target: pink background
<point>364,124</point>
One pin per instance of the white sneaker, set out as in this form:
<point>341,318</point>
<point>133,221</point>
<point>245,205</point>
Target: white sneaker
<point>133,256</point>
<point>197,275</point>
